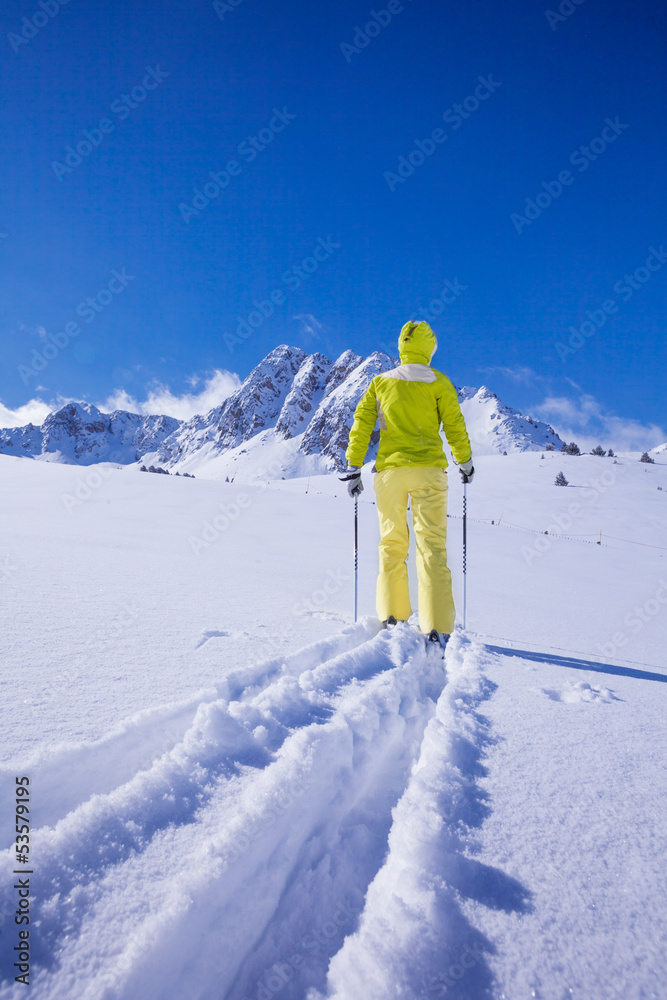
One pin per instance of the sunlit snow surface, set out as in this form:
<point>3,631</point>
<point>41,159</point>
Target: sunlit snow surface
<point>238,793</point>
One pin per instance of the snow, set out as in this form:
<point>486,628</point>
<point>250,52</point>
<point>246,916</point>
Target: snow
<point>239,793</point>
<point>590,844</point>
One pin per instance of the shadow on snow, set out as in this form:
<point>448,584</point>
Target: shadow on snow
<point>579,664</point>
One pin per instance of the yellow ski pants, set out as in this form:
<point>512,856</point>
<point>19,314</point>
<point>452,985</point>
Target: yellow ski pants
<point>427,488</point>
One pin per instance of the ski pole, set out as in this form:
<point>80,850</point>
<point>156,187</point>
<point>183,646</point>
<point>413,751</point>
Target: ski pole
<point>356,552</point>
<point>465,550</point>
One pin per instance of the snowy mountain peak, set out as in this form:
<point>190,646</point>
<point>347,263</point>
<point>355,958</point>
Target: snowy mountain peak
<point>300,404</point>
<point>74,420</point>
<point>80,433</point>
<point>254,406</point>
<point>485,393</point>
<point>75,410</point>
<point>496,428</point>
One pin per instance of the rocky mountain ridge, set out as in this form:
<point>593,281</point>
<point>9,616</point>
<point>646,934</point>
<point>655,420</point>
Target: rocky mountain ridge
<point>80,434</point>
<point>302,402</point>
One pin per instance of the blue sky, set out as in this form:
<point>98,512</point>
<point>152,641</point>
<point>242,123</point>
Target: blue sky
<point>215,148</point>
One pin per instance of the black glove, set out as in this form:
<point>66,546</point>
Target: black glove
<point>353,479</point>
<point>467,470</point>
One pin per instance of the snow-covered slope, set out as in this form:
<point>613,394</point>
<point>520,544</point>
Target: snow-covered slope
<point>79,433</point>
<point>237,794</point>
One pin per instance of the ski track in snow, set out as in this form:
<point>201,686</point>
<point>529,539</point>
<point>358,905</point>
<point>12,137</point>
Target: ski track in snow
<point>70,775</point>
<point>308,824</point>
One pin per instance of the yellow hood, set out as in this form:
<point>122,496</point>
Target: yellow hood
<point>417,343</point>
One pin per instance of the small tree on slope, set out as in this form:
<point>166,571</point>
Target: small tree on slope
<point>560,480</point>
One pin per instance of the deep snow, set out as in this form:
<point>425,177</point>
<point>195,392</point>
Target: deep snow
<point>238,793</point>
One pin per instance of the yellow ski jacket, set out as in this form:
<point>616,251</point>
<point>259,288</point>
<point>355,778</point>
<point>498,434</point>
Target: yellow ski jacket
<point>411,402</point>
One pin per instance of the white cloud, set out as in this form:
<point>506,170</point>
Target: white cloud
<point>314,335</point>
<point>309,324</point>
<point>35,411</point>
<point>585,421</point>
<point>520,373</point>
<point>160,399</point>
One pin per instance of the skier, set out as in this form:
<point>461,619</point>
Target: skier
<point>411,402</point>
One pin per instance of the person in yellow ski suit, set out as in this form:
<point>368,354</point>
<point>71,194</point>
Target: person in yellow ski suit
<point>411,403</point>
